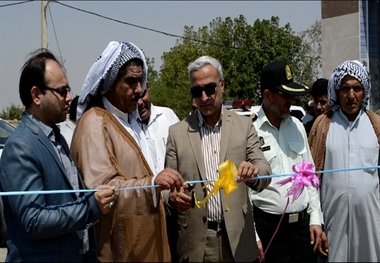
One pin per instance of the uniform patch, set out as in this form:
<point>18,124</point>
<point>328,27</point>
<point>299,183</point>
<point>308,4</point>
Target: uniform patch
<point>253,117</point>
<point>261,140</point>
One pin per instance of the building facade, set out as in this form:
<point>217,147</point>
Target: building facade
<point>351,30</point>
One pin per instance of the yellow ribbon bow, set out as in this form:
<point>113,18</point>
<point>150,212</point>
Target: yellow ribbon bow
<point>226,181</point>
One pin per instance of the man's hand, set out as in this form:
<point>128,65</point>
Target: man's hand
<point>105,197</point>
<point>247,171</point>
<point>180,200</point>
<point>260,257</point>
<point>315,236</point>
<point>324,247</point>
<point>169,179</point>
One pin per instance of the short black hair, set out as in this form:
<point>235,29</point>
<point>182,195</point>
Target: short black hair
<point>33,74</point>
<point>73,108</point>
<point>319,88</point>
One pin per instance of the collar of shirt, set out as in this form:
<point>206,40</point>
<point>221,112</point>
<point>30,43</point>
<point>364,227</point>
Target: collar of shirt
<point>47,130</point>
<point>69,124</point>
<point>350,123</point>
<point>201,121</point>
<point>125,117</point>
<point>132,125</point>
<point>154,115</point>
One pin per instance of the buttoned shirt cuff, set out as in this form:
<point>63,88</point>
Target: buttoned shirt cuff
<point>315,218</point>
<point>257,236</point>
<point>321,217</point>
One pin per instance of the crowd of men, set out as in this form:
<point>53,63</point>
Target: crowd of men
<point>121,181</point>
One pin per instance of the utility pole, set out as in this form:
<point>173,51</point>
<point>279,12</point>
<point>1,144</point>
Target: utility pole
<point>44,4</point>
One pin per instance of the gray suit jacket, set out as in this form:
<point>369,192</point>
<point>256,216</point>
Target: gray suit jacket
<point>43,227</point>
<point>239,142</point>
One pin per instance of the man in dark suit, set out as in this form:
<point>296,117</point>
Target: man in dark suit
<point>47,227</point>
<point>195,147</point>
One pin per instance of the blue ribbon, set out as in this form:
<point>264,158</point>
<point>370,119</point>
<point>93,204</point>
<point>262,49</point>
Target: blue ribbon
<point>42,192</point>
<point>47,192</point>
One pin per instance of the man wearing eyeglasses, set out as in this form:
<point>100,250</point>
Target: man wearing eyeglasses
<point>284,144</point>
<point>195,147</point>
<point>55,227</point>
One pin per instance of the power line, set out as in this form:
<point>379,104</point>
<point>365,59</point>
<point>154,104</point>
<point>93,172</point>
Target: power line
<point>142,27</point>
<point>19,3</point>
<point>55,35</point>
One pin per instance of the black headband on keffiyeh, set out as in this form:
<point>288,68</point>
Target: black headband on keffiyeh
<point>354,69</point>
<point>104,71</point>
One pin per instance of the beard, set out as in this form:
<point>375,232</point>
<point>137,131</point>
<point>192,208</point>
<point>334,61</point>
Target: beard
<point>277,111</point>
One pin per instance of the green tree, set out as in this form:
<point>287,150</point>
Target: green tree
<point>311,51</point>
<point>152,73</point>
<point>242,49</point>
<point>254,46</point>
<point>12,112</point>
<point>173,88</point>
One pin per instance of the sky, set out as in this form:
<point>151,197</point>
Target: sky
<point>79,38</point>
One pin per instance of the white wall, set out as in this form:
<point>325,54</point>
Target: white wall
<point>340,41</point>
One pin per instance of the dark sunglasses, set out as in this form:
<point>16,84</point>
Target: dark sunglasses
<point>209,89</point>
<point>61,91</point>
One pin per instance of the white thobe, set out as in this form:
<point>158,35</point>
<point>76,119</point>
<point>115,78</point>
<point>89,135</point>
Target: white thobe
<point>130,123</point>
<point>350,199</point>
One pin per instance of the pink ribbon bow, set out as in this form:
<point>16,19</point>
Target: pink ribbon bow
<point>304,175</point>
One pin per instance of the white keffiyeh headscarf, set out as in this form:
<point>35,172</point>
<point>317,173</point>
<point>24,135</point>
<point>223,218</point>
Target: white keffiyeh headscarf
<point>104,71</point>
<point>354,69</point>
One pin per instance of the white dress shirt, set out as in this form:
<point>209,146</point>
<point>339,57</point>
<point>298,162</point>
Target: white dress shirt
<point>288,146</point>
<point>67,129</point>
<point>157,129</point>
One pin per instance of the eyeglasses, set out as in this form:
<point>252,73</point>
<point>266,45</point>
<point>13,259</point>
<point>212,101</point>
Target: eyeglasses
<point>61,91</point>
<point>209,89</point>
